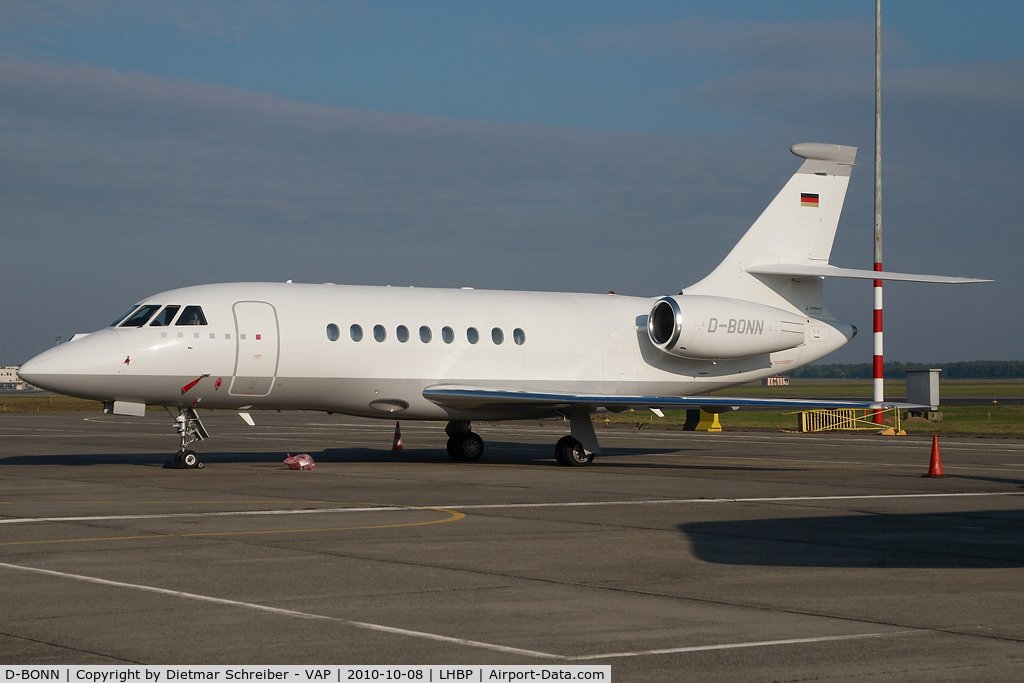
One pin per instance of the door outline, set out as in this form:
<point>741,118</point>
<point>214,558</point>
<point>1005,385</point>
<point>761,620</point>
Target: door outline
<point>238,343</point>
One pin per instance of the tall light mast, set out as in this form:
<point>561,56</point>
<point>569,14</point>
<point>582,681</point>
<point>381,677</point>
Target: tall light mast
<point>878,391</point>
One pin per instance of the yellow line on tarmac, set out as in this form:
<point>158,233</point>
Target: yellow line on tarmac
<point>455,516</point>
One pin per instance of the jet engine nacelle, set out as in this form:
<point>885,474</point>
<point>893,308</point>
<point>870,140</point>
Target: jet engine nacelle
<point>713,328</point>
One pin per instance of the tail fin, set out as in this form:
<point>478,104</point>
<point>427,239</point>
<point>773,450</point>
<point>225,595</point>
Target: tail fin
<point>797,228</point>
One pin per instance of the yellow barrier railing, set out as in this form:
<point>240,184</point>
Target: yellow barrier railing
<point>852,419</point>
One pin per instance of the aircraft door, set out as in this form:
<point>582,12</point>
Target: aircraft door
<point>256,349</point>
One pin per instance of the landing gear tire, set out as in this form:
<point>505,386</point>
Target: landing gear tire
<point>472,446</point>
<point>560,449</point>
<point>184,459</point>
<point>455,447</point>
<point>466,447</point>
<point>571,453</point>
<point>190,459</point>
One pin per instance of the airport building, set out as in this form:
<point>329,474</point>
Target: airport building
<point>9,380</point>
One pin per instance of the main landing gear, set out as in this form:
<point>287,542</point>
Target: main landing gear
<point>191,430</point>
<point>570,452</point>
<point>462,443</point>
<point>575,450</point>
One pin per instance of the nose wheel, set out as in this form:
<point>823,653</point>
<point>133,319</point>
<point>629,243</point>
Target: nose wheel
<point>188,459</point>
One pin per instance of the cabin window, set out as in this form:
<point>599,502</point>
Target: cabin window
<point>519,336</point>
<point>192,315</point>
<point>497,336</point>
<point>472,335</point>
<point>448,335</point>
<point>402,333</point>
<point>141,316</point>
<point>121,319</point>
<point>165,316</point>
<point>379,333</point>
<point>356,332</point>
<point>425,335</point>
<point>333,332</point>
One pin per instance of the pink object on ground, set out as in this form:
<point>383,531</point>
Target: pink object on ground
<point>302,461</point>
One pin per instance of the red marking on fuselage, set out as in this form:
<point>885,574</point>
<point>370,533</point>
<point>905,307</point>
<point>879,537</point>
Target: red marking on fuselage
<point>190,385</point>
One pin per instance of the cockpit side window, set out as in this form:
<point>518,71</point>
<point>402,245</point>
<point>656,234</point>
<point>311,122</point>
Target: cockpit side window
<point>165,316</point>
<point>126,314</point>
<point>141,316</point>
<point>192,315</point>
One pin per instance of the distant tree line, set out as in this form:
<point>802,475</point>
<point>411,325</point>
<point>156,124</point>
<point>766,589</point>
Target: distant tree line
<point>975,369</point>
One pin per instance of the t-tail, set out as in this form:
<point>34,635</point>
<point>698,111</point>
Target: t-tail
<point>784,256</point>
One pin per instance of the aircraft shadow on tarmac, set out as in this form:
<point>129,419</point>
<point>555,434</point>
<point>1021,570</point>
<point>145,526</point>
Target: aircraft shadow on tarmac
<point>508,453</point>
<point>80,459</point>
<point>977,539</point>
<point>496,453</point>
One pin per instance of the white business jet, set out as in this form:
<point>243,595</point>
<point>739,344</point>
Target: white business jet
<point>461,355</point>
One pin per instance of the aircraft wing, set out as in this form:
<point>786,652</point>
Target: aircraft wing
<point>478,398</point>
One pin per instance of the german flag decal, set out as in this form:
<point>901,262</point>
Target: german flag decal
<point>808,199</point>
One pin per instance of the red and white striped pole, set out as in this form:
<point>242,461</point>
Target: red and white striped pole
<point>878,392</point>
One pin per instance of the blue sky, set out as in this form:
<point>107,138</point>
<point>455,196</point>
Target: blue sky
<point>580,146</point>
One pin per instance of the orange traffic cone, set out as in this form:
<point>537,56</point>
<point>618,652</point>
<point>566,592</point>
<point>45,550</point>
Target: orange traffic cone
<point>935,468</point>
<point>398,439</point>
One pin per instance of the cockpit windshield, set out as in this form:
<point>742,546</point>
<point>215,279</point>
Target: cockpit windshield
<point>192,315</point>
<point>141,316</point>
<point>126,314</point>
<point>165,316</point>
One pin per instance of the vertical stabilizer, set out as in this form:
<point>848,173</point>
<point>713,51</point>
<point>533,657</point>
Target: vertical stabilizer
<point>797,228</point>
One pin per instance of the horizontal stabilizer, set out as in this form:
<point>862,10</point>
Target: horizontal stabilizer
<point>805,270</point>
<point>473,398</point>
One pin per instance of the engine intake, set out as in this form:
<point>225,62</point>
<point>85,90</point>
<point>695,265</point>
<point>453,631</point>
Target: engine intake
<point>713,328</point>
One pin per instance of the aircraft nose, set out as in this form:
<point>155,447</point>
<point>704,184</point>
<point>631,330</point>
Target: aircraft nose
<point>85,367</point>
<point>33,371</point>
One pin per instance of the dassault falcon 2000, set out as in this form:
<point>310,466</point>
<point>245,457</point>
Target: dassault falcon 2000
<point>462,355</point>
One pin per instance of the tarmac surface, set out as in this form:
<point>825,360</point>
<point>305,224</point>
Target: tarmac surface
<point>738,556</point>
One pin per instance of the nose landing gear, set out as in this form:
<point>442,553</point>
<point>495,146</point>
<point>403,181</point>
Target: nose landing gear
<point>191,430</point>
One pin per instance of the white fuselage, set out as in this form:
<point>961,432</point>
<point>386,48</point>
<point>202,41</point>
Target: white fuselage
<point>268,345</point>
